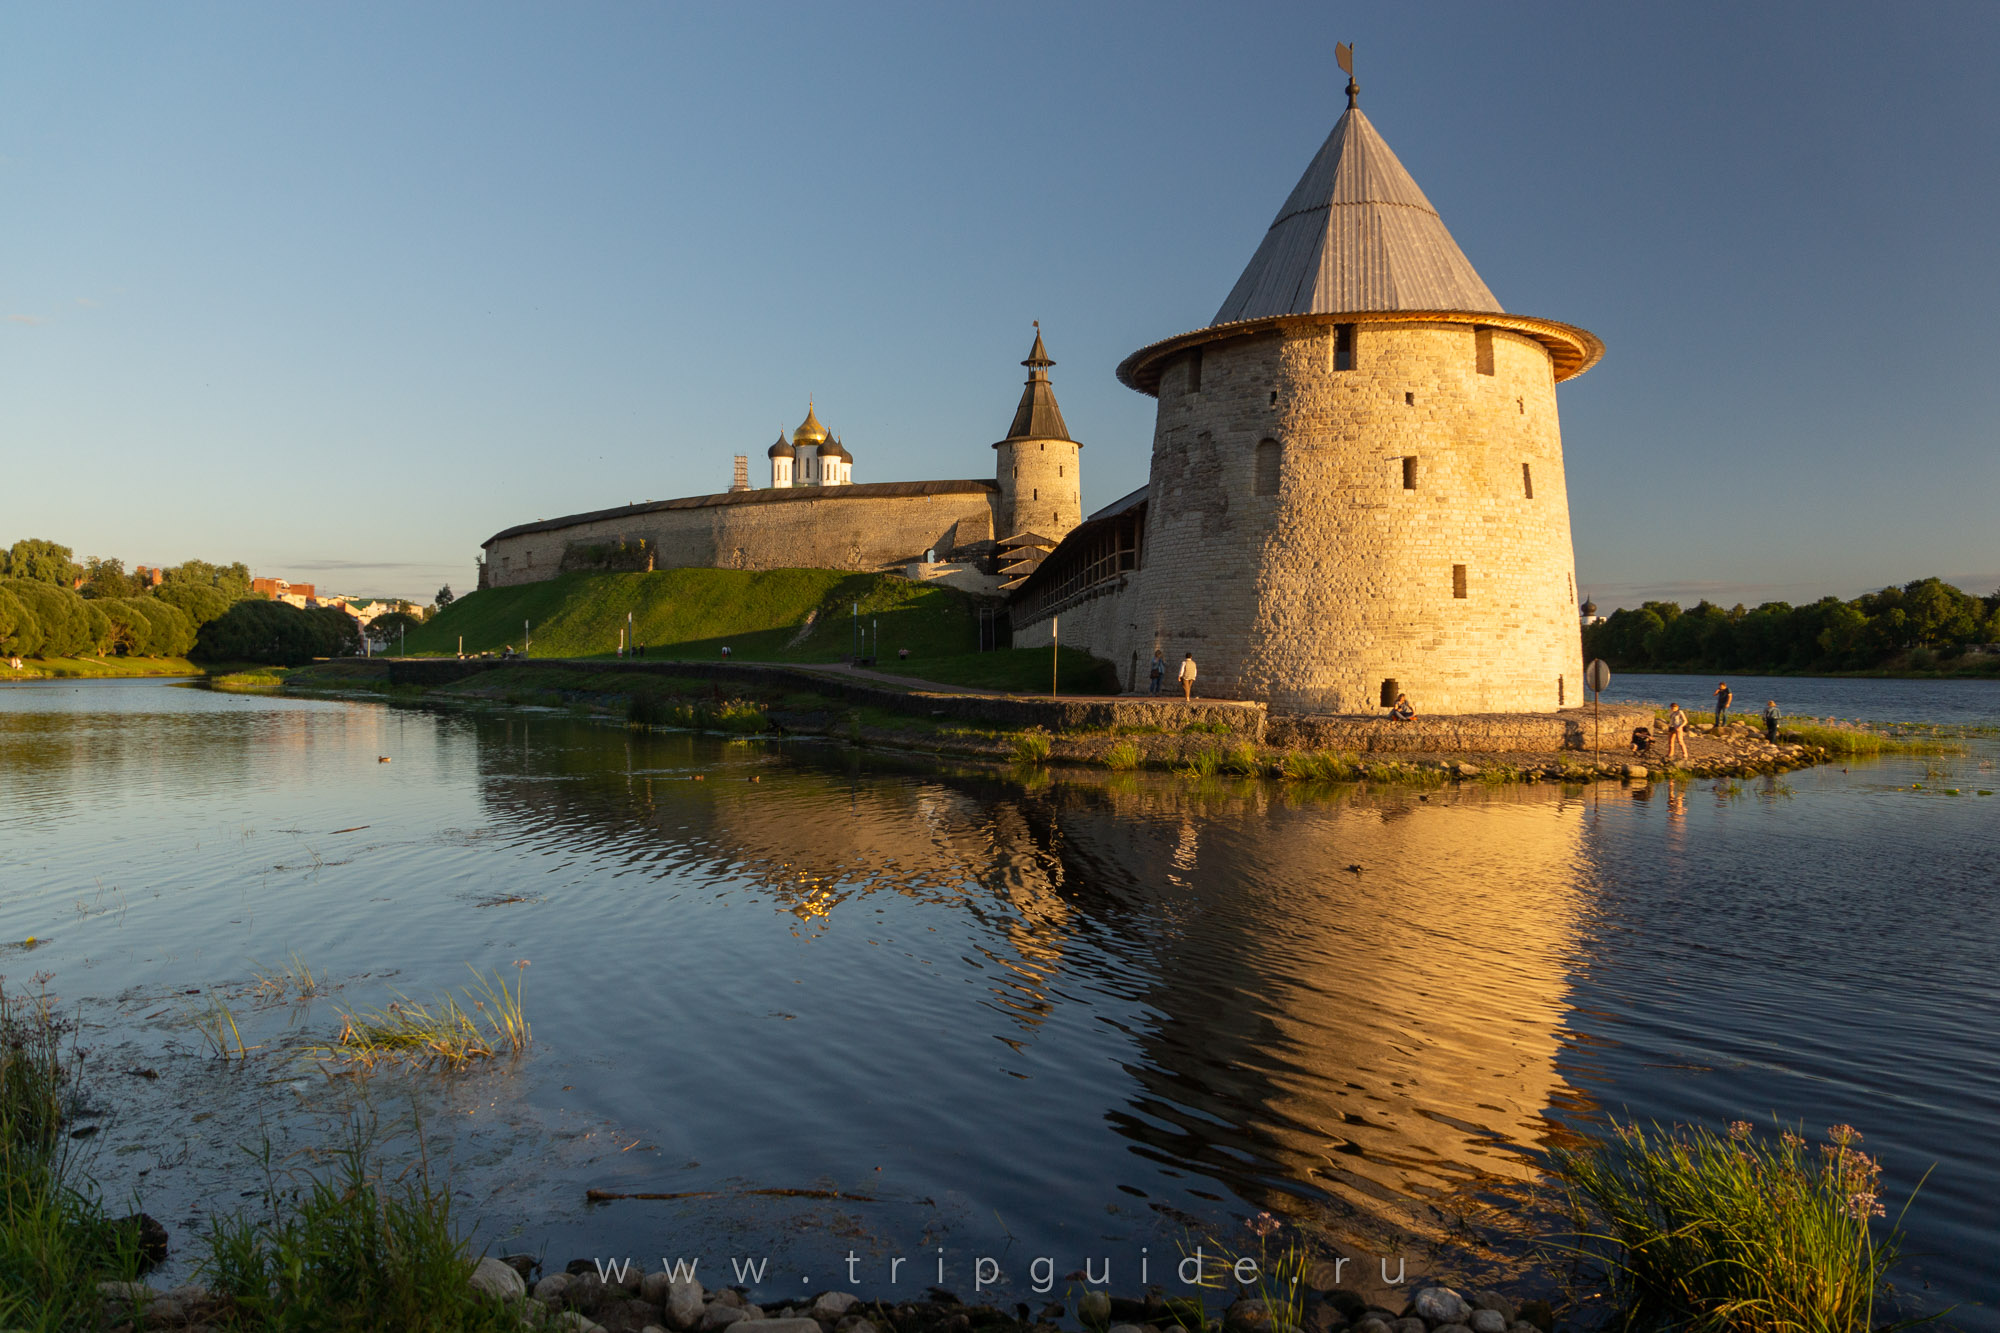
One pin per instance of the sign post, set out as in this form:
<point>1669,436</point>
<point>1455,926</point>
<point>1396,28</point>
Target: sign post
<point>1596,677</point>
<point>1055,658</point>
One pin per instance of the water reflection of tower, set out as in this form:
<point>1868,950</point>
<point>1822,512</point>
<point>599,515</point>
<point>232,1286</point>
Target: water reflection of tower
<point>1370,1036</point>
<point>815,840</point>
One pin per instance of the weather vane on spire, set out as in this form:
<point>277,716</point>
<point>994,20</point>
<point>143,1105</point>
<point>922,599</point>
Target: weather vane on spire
<point>1343,53</point>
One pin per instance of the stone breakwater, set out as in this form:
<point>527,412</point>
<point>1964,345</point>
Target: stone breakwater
<point>591,1297</point>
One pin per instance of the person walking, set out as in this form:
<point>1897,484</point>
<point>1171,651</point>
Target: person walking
<point>1187,678</point>
<point>1722,698</point>
<point>1677,726</point>
<point>1771,721</point>
<point>1158,671</point>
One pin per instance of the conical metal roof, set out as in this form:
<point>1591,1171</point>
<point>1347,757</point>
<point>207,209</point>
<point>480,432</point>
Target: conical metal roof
<point>1038,417</point>
<point>1355,235</point>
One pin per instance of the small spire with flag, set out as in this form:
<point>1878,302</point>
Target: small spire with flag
<point>1343,54</point>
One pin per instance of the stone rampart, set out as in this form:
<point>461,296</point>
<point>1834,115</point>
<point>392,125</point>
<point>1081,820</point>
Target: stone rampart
<point>881,527</point>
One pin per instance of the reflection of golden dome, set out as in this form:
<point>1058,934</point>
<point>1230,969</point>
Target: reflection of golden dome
<point>809,431</point>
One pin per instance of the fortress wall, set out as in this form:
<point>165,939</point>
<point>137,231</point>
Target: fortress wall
<point>1107,623</point>
<point>1311,596</point>
<point>857,532</point>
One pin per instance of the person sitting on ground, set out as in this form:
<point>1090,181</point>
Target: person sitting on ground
<point>1677,725</point>
<point>1404,709</point>
<point>1771,721</point>
<point>1642,740</point>
<point>725,652</point>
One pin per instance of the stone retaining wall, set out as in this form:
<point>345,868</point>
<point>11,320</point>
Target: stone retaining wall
<point>1466,733</point>
<point>1241,721</point>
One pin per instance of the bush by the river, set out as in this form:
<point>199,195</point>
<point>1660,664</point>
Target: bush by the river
<point>1919,626</point>
<point>277,633</point>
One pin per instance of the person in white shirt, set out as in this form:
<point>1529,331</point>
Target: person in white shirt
<point>1187,678</point>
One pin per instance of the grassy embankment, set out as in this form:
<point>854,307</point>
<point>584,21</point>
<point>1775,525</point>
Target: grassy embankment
<point>97,668</point>
<point>779,615</point>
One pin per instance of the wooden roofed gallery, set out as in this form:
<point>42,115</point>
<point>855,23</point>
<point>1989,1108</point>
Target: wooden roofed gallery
<point>1095,556</point>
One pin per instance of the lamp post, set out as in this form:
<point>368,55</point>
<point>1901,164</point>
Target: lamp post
<point>1055,658</point>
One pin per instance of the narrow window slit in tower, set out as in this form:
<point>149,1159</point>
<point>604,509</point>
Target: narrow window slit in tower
<point>1521,406</point>
<point>1409,400</point>
<point>1458,580</point>
<point>1562,691</point>
<point>1194,371</point>
<point>1274,397</point>
<point>1528,480</point>
<point>1035,493</point>
<point>1482,349</point>
<point>1343,347</point>
<point>1270,457</point>
<point>1410,472</point>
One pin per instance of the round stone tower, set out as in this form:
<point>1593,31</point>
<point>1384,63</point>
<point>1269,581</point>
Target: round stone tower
<point>1037,463</point>
<point>1357,480</point>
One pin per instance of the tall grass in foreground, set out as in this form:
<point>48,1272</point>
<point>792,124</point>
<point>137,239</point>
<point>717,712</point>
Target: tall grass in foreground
<point>1739,1234</point>
<point>55,1242</point>
<point>446,1032</point>
<point>348,1249</point>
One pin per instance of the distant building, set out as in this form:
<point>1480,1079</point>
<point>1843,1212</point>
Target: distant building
<point>279,590</point>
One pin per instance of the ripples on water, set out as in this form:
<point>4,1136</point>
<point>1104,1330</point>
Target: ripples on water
<point>1062,1017</point>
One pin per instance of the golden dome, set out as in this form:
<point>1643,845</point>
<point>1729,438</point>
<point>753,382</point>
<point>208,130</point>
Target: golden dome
<point>809,431</point>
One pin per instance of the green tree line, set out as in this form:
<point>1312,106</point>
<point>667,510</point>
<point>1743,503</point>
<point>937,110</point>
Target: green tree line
<point>53,606</point>
<point>1919,626</point>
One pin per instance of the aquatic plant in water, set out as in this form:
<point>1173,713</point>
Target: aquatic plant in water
<point>446,1032</point>
<point>348,1247</point>
<point>1745,1233</point>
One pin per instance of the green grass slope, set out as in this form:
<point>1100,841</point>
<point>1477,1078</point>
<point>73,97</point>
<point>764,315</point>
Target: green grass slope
<point>94,668</point>
<point>692,613</point>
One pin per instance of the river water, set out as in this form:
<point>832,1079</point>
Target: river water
<point>849,1004</point>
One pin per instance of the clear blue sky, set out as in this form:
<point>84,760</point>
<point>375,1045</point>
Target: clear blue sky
<point>340,290</point>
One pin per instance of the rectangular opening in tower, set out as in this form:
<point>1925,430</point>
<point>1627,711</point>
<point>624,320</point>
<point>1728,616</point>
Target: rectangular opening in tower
<point>1528,480</point>
<point>1410,472</point>
<point>1194,371</point>
<point>1458,580</point>
<point>1482,350</point>
<point>1269,464</point>
<point>1343,347</point>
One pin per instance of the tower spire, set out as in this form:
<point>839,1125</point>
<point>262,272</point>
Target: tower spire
<point>1038,361</point>
<point>1344,53</point>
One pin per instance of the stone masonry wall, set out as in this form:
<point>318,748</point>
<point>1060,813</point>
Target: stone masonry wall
<point>877,533</point>
<point>1311,596</point>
